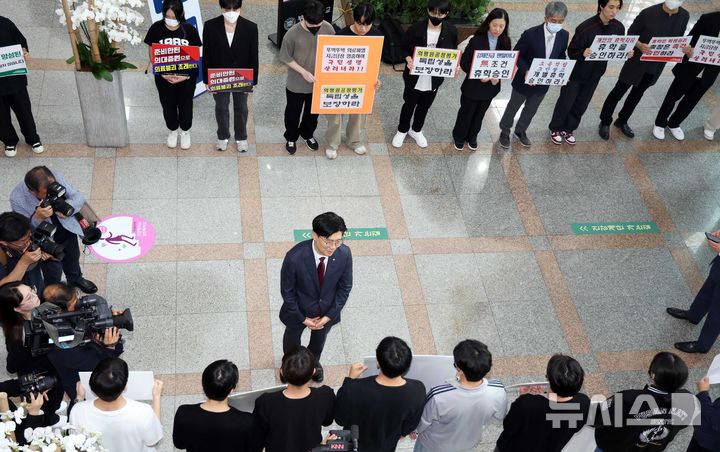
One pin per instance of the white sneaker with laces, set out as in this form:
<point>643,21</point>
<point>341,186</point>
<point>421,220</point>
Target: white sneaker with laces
<point>331,153</point>
<point>172,139</point>
<point>222,145</point>
<point>419,138</point>
<point>360,150</point>
<point>398,139</point>
<point>708,134</point>
<point>242,145</point>
<point>185,142</point>
<point>38,148</point>
<point>10,151</point>
<point>659,132</point>
<point>678,133</point>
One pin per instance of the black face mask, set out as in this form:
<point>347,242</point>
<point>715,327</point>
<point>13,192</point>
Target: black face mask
<point>313,30</point>
<point>436,20</point>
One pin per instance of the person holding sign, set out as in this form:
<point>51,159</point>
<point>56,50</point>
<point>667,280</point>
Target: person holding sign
<point>576,95</point>
<point>691,82</point>
<point>175,90</point>
<point>14,96</point>
<point>420,90</point>
<point>230,41</point>
<point>478,93</point>
<point>663,19</point>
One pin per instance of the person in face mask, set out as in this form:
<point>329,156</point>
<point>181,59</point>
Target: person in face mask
<point>230,41</point>
<point>420,91</point>
<point>547,40</point>
<point>663,19</point>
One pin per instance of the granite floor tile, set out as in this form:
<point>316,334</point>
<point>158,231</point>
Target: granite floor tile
<point>12,172</point>
<point>211,336</point>
<point>281,176</point>
<point>433,216</point>
<point>273,283</point>
<point>161,213</point>
<point>357,211</point>
<point>696,210</point>
<point>215,222</point>
<point>511,276</point>
<point>375,282</point>
<point>60,123</point>
<point>210,286</point>
<point>422,175</point>
<point>148,288</point>
<point>194,183</point>
<point>529,328</point>
<point>375,322</point>
<point>491,214</point>
<point>151,346</point>
<point>78,171</point>
<point>450,279</point>
<point>575,173</point>
<point>476,173</point>
<point>59,88</point>
<point>452,323</point>
<point>139,178</point>
<point>346,176</point>
<point>282,215</point>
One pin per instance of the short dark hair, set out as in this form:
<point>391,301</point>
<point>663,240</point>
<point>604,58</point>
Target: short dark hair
<point>219,379</point>
<point>670,371</point>
<point>327,224</point>
<point>231,4</point>
<point>314,12</point>
<point>565,375</point>
<point>603,4</point>
<point>59,294</point>
<point>473,358</point>
<point>13,226</point>
<point>394,356</point>
<point>177,7</point>
<point>38,177</point>
<point>496,13</point>
<point>297,366</point>
<point>109,379</point>
<point>364,14</point>
<point>441,5</point>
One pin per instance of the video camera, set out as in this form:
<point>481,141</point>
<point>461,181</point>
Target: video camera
<point>347,440</point>
<point>36,383</point>
<point>42,238</point>
<point>55,198</point>
<point>52,326</point>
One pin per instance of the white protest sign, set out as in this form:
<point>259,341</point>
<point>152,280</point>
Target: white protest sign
<point>552,72</point>
<point>432,370</point>
<point>139,385</point>
<point>707,51</point>
<point>611,47</point>
<point>493,64</point>
<point>12,61</point>
<point>245,401</point>
<point>339,97</point>
<point>666,50</point>
<point>435,62</point>
<point>714,371</point>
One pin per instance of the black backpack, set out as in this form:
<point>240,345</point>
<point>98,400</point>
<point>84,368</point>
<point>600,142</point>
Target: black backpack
<point>392,52</point>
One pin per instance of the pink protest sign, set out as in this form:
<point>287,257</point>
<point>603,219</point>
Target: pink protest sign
<point>125,238</point>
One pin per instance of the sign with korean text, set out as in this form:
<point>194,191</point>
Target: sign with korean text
<point>666,50</point>
<point>236,80</point>
<point>12,61</point>
<point>493,64</point>
<point>350,234</point>
<point>611,47</point>
<point>346,70</point>
<point>707,51</point>
<point>552,72</point>
<point>435,62</point>
<point>633,227</point>
<point>171,59</point>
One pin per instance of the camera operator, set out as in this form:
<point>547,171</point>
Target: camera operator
<point>18,261</point>
<point>33,198</point>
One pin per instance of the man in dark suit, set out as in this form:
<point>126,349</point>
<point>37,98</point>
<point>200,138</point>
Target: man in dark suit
<point>315,283</point>
<point>691,82</point>
<point>707,301</point>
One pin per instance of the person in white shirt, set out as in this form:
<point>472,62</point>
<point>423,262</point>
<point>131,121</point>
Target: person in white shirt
<point>125,424</point>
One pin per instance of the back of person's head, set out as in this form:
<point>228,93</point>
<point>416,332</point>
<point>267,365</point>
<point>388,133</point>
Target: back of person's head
<point>473,358</point>
<point>38,177</point>
<point>565,375</point>
<point>10,298</point>
<point>668,371</point>
<point>496,13</point>
<point>364,14</point>
<point>393,356</point>
<point>327,224</point>
<point>13,226</point>
<point>297,367</point>
<point>59,294</point>
<point>554,9</point>
<point>231,4</point>
<point>441,6</point>
<point>314,12</point>
<point>109,379</point>
<point>176,6</point>
<point>219,379</point>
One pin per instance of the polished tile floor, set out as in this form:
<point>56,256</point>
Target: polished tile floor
<point>480,244</point>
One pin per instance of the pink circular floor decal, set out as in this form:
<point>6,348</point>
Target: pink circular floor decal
<point>125,238</point>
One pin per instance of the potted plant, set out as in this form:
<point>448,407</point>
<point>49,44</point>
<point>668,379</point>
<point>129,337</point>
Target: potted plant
<point>97,29</point>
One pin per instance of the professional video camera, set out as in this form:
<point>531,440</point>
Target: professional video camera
<point>50,325</point>
<point>42,238</point>
<point>56,199</point>
<point>36,383</point>
<point>347,440</point>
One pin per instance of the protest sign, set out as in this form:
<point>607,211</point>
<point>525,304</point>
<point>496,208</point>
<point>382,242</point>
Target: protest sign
<point>666,50</point>
<point>12,61</point>
<point>346,69</point>
<point>139,385</point>
<point>172,59</point>
<point>545,71</point>
<point>707,51</point>
<point>435,62</point>
<point>230,79</point>
<point>493,64</point>
<point>611,47</point>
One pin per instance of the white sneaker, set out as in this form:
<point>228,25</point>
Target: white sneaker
<point>185,139</point>
<point>708,134</point>
<point>331,153</point>
<point>659,132</point>
<point>222,145</point>
<point>360,150</point>
<point>172,139</point>
<point>678,133</point>
<point>419,138</point>
<point>242,145</point>
<point>10,151</point>
<point>38,148</point>
<point>398,139</point>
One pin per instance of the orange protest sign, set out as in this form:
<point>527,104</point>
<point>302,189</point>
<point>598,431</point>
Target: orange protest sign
<point>346,69</point>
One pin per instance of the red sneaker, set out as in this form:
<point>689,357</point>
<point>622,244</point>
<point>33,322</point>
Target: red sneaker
<point>569,138</point>
<point>556,137</point>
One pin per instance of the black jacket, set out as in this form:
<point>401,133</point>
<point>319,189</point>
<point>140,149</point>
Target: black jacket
<point>416,36</point>
<point>243,54</point>
<point>707,433</point>
<point>582,39</point>
<point>531,45</point>
<point>83,358</point>
<point>9,36</point>
<point>708,25</point>
<point>473,88</point>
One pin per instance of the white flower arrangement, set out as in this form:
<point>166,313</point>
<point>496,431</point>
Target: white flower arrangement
<point>115,17</point>
<point>66,438</point>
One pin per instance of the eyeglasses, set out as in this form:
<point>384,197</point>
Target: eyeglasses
<point>328,242</point>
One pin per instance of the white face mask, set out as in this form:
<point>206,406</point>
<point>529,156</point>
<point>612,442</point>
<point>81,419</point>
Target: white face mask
<point>673,4</point>
<point>231,16</point>
<point>554,28</point>
<point>171,22</point>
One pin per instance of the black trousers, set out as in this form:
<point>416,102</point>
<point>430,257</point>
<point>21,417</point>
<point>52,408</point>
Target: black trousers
<point>572,104</point>
<point>177,102</point>
<point>707,301</point>
<point>299,121</point>
<point>633,99</point>
<point>293,334</point>
<point>688,92</point>
<point>469,119</point>
<point>70,262</point>
<point>415,107</point>
<point>19,102</point>
<point>695,447</point>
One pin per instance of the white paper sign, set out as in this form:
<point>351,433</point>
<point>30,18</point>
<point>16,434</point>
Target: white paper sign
<point>432,370</point>
<point>707,51</point>
<point>345,59</point>
<point>245,401</point>
<point>12,61</point>
<point>342,96</point>
<point>493,64</point>
<point>139,385</point>
<point>611,47</point>
<point>714,371</point>
<point>666,50</point>
<point>435,62</point>
<point>545,71</point>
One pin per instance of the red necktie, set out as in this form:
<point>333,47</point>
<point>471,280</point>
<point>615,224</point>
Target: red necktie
<point>321,271</point>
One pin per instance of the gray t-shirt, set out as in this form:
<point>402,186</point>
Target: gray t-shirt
<point>300,45</point>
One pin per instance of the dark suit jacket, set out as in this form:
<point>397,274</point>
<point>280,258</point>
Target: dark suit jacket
<point>708,25</point>
<point>473,88</point>
<point>416,36</point>
<point>300,287</point>
<point>243,53</point>
<point>707,434</point>
<point>531,45</point>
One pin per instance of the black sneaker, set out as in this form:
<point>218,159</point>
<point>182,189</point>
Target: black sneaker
<point>504,141</point>
<point>523,139</point>
<point>604,131</point>
<point>473,145</point>
<point>312,144</point>
<point>290,147</point>
<point>458,145</point>
<point>319,375</point>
